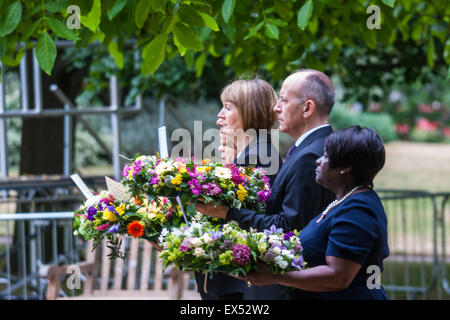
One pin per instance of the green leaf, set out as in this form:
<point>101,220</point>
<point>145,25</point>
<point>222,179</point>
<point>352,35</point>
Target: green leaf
<point>190,16</point>
<point>227,9</point>
<point>116,8</point>
<point>55,7</point>
<point>30,29</point>
<point>92,19</point>
<point>430,53</point>
<point>141,13</point>
<point>304,14</point>
<point>153,54</point>
<point>254,30</point>
<point>116,53</point>
<point>10,20</point>
<point>181,49</point>
<point>448,73</point>
<point>187,37</point>
<point>46,52</point>
<point>389,3</point>
<point>158,5</point>
<point>272,31</point>
<point>209,21</point>
<point>61,30</point>
<point>199,64</point>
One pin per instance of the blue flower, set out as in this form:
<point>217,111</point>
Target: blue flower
<point>273,230</point>
<point>114,228</point>
<point>298,263</point>
<point>216,235</point>
<point>91,213</point>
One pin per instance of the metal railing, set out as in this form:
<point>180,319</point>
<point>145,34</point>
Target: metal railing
<point>39,237</point>
<point>417,267</point>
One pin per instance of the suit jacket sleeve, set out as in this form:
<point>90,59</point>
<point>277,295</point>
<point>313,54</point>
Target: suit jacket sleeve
<point>299,205</point>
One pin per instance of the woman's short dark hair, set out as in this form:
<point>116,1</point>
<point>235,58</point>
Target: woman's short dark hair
<point>361,149</point>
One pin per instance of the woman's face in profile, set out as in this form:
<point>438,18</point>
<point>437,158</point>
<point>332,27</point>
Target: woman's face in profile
<point>324,175</point>
<point>229,116</point>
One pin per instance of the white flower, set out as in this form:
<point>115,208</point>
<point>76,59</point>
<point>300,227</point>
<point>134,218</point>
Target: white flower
<point>164,166</point>
<point>276,250</point>
<point>207,239</point>
<point>274,239</point>
<point>164,233</point>
<point>280,262</point>
<point>196,242</point>
<point>295,240</point>
<point>198,252</point>
<point>222,172</point>
<point>92,201</point>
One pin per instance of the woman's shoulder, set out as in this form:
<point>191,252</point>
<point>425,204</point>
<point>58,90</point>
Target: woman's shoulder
<point>363,207</point>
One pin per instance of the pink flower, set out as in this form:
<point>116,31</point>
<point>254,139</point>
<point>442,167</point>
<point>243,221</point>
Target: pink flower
<point>241,254</point>
<point>102,227</point>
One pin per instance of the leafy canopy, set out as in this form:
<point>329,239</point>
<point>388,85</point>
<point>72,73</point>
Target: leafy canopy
<point>275,35</point>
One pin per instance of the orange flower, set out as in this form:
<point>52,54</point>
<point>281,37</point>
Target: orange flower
<point>135,229</point>
<point>205,161</point>
<point>137,201</point>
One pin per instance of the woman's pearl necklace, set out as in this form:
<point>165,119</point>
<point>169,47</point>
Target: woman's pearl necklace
<point>337,202</point>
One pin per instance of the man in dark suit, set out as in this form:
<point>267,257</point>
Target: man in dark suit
<point>306,100</point>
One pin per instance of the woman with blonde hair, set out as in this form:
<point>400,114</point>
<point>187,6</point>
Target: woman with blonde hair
<point>245,120</point>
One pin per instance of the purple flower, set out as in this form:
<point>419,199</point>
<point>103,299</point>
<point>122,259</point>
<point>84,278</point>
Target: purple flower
<point>195,186</point>
<point>125,170</point>
<point>270,255</point>
<point>288,235</point>
<point>215,235</point>
<point>266,180</point>
<point>114,228</point>
<point>298,247</point>
<point>154,179</point>
<point>225,244</point>
<point>263,195</point>
<point>185,245</point>
<point>241,254</point>
<point>91,213</point>
<point>236,175</point>
<point>211,189</point>
<point>298,263</point>
<point>273,230</point>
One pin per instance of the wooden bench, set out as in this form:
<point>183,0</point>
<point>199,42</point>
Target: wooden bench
<point>139,276</point>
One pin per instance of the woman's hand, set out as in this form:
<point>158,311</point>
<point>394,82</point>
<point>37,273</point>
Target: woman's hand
<point>208,209</point>
<point>227,154</point>
<point>263,276</point>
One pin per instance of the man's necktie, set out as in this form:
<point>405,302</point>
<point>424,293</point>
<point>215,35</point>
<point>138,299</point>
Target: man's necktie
<point>289,151</point>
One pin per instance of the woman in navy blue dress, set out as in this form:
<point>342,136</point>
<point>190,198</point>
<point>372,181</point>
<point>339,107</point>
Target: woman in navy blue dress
<point>346,244</point>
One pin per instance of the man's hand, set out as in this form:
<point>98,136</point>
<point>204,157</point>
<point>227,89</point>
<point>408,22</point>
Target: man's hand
<point>263,276</point>
<point>156,245</point>
<point>209,210</point>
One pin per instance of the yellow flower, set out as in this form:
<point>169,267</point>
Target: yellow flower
<point>109,215</point>
<point>183,170</point>
<point>121,209</point>
<point>177,180</point>
<point>241,193</point>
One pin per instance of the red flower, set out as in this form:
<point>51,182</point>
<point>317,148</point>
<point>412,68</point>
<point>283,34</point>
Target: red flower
<point>426,125</point>
<point>135,229</point>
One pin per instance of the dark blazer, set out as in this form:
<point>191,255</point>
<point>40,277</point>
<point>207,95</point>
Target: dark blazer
<point>295,197</point>
<point>257,153</point>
